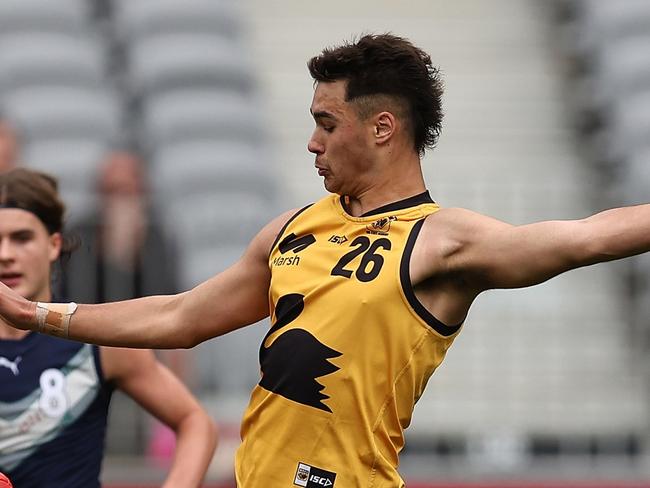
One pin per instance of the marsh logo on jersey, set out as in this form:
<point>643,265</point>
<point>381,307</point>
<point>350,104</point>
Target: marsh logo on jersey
<point>295,243</point>
<point>381,226</point>
<point>313,477</point>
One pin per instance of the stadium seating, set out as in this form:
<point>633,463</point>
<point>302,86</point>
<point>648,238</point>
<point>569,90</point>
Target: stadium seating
<point>134,21</point>
<point>64,16</point>
<point>50,59</point>
<point>56,87</point>
<point>175,61</point>
<point>49,112</point>
<point>209,166</point>
<point>200,113</point>
<point>76,163</point>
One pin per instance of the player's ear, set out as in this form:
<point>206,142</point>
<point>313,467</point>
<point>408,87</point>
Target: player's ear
<point>55,243</point>
<point>384,126</point>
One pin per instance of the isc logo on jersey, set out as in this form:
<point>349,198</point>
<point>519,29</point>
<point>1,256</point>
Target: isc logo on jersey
<point>312,477</point>
<point>320,481</point>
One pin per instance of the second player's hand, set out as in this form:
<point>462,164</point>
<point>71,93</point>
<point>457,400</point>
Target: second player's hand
<point>15,310</point>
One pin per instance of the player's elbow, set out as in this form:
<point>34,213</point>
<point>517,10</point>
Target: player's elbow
<point>592,246</point>
<point>208,427</point>
<point>212,430</point>
<point>177,323</point>
<point>190,341</point>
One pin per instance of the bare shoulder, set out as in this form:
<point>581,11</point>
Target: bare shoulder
<point>449,228</point>
<point>456,218</point>
<point>458,226</point>
<point>270,232</point>
<point>445,236</point>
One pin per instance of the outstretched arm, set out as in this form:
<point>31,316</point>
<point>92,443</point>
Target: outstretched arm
<point>488,253</point>
<point>230,300</point>
<point>157,390</point>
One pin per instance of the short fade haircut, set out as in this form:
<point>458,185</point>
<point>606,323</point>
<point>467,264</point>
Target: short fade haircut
<point>380,68</point>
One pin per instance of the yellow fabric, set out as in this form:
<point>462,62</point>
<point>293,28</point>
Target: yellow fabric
<point>347,368</point>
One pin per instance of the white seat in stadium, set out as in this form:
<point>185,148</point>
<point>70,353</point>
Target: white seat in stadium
<point>636,178</point>
<point>68,16</point>
<point>210,165</point>
<point>143,18</point>
<point>175,61</point>
<point>629,124</point>
<point>74,160</point>
<point>75,163</point>
<point>601,22</point>
<point>50,58</point>
<point>228,217</point>
<point>622,68</point>
<point>200,264</point>
<point>51,112</point>
<point>190,114</point>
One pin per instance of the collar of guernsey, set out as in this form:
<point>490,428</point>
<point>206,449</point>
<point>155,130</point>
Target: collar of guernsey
<point>419,199</point>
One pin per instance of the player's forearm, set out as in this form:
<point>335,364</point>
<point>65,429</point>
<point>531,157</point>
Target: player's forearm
<point>619,232</point>
<point>150,322</point>
<point>196,441</point>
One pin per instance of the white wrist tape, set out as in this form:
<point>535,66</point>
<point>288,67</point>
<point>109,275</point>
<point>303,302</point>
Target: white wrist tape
<point>54,318</point>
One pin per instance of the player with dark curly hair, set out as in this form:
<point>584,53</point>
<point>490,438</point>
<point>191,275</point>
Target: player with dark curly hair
<point>366,288</point>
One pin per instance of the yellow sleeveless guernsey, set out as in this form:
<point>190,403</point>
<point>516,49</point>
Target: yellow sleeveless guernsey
<point>348,354</point>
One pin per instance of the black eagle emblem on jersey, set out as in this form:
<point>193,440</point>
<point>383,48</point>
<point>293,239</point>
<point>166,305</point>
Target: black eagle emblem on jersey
<point>296,358</point>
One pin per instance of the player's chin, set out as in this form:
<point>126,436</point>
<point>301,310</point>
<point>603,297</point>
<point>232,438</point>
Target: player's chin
<point>331,186</point>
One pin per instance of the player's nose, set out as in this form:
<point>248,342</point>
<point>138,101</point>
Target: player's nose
<point>314,146</point>
<point>6,251</point>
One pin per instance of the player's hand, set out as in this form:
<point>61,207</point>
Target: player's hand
<point>15,310</point>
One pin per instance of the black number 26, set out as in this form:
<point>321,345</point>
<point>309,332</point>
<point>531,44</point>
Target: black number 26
<point>371,262</point>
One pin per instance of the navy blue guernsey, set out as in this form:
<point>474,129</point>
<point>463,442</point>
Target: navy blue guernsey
<point>53,410</point>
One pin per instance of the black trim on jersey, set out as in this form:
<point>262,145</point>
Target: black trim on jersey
<point>286,224</point>
<point>407,286</point>
<point>413,201</point>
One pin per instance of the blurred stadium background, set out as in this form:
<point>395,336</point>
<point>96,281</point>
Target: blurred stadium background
<point>547,116</point>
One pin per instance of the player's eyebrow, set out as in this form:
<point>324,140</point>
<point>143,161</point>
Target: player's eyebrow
<point>21,234</point>
<point>322,114</point>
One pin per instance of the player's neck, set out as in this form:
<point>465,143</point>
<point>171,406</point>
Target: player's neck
<point>396,183</point>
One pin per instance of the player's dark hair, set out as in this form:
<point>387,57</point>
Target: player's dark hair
<point>388,65</point>
<point>37,193</point>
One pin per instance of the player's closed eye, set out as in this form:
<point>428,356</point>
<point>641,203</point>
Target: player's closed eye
<point>23,236</point>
